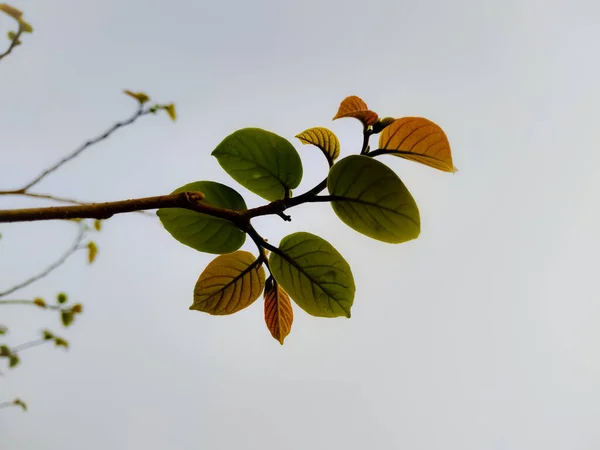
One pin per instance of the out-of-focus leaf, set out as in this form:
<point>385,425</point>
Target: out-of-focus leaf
<point>355,107</point>
<point>3,330</point>
<point>261,161</point>
<point>62,298</point>
<point>203,232</point>
<point>11,11</point>
<point>92,251</point>
<point>97,225</point>
<point>324,139</point>
<point>170,109</point>
<point>141,97</point>
<point>229,284</point>
<point>13,360</point>
<point>59,342</point>
<point>278,311</point>
<point>314,274</point>
<point>25,26</point>
<point>419,140</point>
<point>5,351</point>
<point>370,198</point>
<point>21,403</point>
<point>47,334</point>
<point>77,308</point>
<point>67,317</point>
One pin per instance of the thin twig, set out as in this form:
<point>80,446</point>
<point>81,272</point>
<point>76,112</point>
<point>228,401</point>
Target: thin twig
<point>7,404</point>
<point>52,267</point>
<point>30,344</point>
<point>140,112</point>
<point>13,43</point>
<point>30,302</point>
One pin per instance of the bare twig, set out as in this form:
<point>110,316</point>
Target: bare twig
<point>140,112</point>
<point>7,404</point>
<point>30,302</point>
<point>74,247</point>
<point>29,344</point>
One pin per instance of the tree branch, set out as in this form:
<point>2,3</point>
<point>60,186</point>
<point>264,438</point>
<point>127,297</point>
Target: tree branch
<point>13,43</point>
<point>30,302</point>
<point>50,268</point>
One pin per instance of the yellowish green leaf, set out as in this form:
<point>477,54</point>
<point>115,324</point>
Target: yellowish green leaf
<point>324,139</point>
<point>60,342</point>
<point>11,11</point>
<point>97,225</point>
<point>62,298</point>
<point>170,108</point>
<point>139,96</point>
<point>4,351</point>
<point>229,284</point>
<point>25,26</point>
<point>39,302</point>
<point>92,251</point>
<point>67,317</point>
<point>47,334</point>
<point>279,314</point>
<point>13,360</point>
<point>21,403</point>
<point>418,139</point>
<point>355,107</point>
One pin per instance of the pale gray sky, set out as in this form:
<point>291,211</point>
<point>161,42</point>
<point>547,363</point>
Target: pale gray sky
<point>480,335</point>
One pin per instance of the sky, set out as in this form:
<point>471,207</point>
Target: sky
<point>480,335</point>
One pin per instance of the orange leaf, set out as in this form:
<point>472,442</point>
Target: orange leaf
<point>355,107</point>
<point>418,139</point>
<point>278,311</point>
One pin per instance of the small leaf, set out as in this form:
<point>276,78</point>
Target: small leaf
<point>355,107</point>
<point>5,351</point>
<point>421,140</point>
<point>3,330</point>
<point>314,274</point>
<point>324,139</point>
<point>229,284</point>
<point>370,198</point>
<point>261,161</point>
<point>59,342</point>
<point>170,109</point>
<point>139,96</point>
<point>11,35</point>
<point>92,251</point>
<point>77,308</point>
<point>278,311</point>
<point>382,123</point>
<point>21,403</point>
<point>203,232</point>
<point>11,11</point>
<point>47,334</point>
<point>39,302</point>
<point>67,317</point>
<point>97,225</point>
<point>13,360</point>
<point>25,26</point>
<point>62,298</point>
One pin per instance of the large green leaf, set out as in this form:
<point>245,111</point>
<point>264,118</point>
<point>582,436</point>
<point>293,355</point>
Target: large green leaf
<point>261,161</point>
<point>200,231</point>
<point>314,274</point>
<point>229,284</point>
<point>370,198</point>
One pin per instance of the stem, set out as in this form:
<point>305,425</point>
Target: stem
<point>30,344</point>
<point>13,44</point>
<point>29,302</point>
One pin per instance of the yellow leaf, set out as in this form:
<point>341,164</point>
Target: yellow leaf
<point>25,27</point>
<point>278,311</point>
<point>39,302</point>
<point>171,111</point>
<point>139,96</point>
<point>97,225</point>
<point>322,138</point>
<point>229,284</point>
<point>419,140</point>
<point>92,251</point>
<point>11,11</point>
<point>355,107</point>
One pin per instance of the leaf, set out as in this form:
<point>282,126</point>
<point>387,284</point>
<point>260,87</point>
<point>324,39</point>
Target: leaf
<point>324,139</point>
<point>11,11</point>
<point>355,107</point>
<point>77,308</point>
<point>97,225</point>
<point>47,334</point>
<point>139,96</point>
<point>421,140</point>
<point>39,302</point>
<point>13,360</point>
<point>3,330</point>
<point>92,251</point>
<point>203,232</point>
<point>25,26</point>
<point>67,317</point>
<point>382,123</point>
<point>229,284</point>
<point>371,199</point>
<point>4,351</point>
<point>21,403</point>
<point>61,298</point>
<point>278,311</point>
<point>314,274</point>
<point>261,161</point>
<point>60,342</point>
<point>170,109</point>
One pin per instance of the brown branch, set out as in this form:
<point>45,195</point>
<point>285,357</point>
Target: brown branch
<point>140,112</point>
<point>53,266</point>
<point>13,43</point>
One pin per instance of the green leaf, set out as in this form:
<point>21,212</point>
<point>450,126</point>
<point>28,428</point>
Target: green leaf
<point>97,225</point>
<point>60,342</point>
<point>370,198</point>
<point>4,350</point>
<point>203,232</point>
<point>261,161</point>
<point>47,334</point>
<point>61,298</point>
<point>141,97</point>
<point>229,284</point>
<point>67,317</point>
<point>3,330</point>
<point>92,251</point>
<point>170,109</point>
<point>25,26</point>
<point>324,139</point>
<point>13,360</point>
<point>21,403</point>
<point>314,274</point>
<point>382,123</point>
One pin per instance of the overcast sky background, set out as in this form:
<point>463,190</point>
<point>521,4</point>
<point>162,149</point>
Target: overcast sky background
<point>480,335</point>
